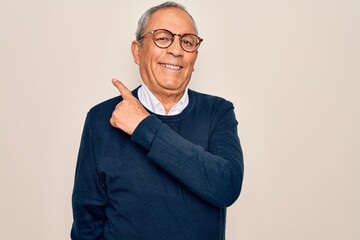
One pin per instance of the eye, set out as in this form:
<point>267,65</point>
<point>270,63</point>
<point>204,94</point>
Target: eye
<point>187,42</point>
<point>163,39</point>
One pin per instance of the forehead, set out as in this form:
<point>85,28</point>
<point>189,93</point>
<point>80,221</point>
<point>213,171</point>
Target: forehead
<point>173,19</point>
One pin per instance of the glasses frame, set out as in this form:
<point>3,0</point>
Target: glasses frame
<point>152,32</point>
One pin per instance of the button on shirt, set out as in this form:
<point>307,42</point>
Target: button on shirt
<point>149,101</point>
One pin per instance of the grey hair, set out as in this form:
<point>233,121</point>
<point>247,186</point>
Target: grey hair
<point>146,16</point>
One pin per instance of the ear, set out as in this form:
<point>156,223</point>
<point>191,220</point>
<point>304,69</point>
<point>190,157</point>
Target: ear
<point>135,50</point>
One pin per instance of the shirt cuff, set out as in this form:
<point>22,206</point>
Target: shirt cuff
<point>146,131</point>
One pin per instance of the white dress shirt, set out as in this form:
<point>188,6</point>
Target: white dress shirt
<point>149,101</point>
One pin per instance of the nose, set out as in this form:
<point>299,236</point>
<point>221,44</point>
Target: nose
<point>175,48</point>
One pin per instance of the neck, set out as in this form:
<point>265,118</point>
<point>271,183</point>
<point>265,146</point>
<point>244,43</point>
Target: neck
<point>168,101</point>
<point>167,98</point>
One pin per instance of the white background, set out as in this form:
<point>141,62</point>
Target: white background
<point>291,68</point>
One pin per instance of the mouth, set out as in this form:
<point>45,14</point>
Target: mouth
<point>171,67</point>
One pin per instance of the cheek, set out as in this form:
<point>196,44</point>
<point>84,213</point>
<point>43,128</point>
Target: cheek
<point>192,60</point>
<point>146,62</point>
<point>149,60</point>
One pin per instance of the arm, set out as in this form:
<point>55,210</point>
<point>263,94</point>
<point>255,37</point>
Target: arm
<point>214,175</point>
<point>89,196</point>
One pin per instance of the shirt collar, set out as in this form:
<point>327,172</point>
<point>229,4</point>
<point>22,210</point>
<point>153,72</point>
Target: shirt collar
<point>148,100</point>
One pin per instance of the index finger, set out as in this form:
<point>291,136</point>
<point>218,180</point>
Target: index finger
<point>124,91</point>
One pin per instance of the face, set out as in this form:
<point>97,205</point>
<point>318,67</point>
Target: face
<point>166,72</point>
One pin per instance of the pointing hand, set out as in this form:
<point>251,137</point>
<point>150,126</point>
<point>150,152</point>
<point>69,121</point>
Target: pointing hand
<point>129,112</point>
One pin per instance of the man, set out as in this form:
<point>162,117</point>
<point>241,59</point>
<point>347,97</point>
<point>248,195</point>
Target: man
<point>162,161</point>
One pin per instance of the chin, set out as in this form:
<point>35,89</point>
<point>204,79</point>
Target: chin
<point>175,87</point>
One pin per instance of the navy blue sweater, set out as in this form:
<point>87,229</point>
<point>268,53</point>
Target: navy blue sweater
<point>172,179</point>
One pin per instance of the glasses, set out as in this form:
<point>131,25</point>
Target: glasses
<point>163,38</point>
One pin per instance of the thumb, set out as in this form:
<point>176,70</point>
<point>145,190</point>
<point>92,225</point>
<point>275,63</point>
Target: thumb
<point>124,91</point>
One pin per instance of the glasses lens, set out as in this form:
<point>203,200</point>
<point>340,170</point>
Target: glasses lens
<point>162,38</point>
<point>190,42</point>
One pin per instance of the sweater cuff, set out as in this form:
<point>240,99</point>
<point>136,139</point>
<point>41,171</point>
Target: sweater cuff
<point>146,131</point>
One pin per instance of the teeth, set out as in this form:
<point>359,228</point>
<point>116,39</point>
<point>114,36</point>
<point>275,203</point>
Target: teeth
<point>171,66</point>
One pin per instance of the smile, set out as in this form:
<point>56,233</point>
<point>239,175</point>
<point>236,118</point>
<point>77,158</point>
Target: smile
<point>172,67</point>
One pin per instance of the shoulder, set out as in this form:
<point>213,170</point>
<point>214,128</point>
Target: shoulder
<point>105,108</point>
<point>210,102</point>
<point>212,110</point>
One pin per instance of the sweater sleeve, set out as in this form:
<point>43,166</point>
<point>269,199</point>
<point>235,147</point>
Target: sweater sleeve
<point>89,196</point>
<point>214,175</point>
